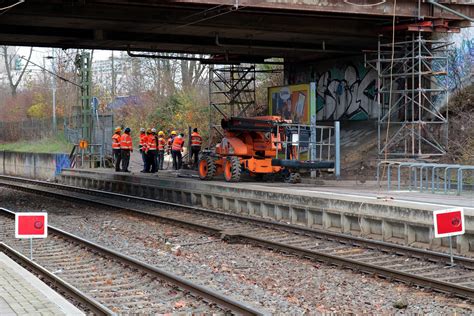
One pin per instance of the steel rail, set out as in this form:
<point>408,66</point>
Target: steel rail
<point>442,286</point>
<point>195,289</point>
<point>314,232</point>
<point>90,304</point>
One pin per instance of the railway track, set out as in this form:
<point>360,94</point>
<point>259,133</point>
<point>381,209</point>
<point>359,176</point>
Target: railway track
<point>409,265</point>
<point>84,302</point>
<point>109,282</point>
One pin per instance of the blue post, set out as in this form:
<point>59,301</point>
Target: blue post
<point>460,181</point>
<point>398,177</point>
<point>389,176</point>
<point>337,136</point>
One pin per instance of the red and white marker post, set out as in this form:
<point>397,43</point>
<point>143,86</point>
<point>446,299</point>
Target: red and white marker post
<point>31,225</point>
<point>449,223</point>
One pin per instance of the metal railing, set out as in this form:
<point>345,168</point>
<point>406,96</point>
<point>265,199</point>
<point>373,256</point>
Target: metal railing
<point>91,157</point>
<point>301,144</point>
<point>424,176</point>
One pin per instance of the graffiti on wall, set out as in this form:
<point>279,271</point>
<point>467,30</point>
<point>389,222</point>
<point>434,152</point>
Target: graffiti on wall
<point>62,161</point>
<point>461,61</point>
<point>347,93</point>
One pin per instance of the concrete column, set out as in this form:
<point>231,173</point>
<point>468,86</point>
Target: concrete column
<point>387,231</point>
<point>194,199</point>
<point>264,210</point>
<point>238,206</point>
<point>410,235</point>
<point>434,242</point>
<point>309,218</point>
<point>203,200</point>
<point>278,214</point>
<point>225,204</point>
<point>326,220</point>
<point>462,244</point>
<point>293,215</point>
<point>364,227</point>
<point>250,208</point>
<point>345,223</point>
<point>214,202</point>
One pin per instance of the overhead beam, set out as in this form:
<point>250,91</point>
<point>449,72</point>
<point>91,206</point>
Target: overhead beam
<point>405,8</point>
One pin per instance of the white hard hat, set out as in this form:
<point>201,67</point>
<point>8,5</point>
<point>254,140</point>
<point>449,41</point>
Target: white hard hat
<point>142,129</point>
<point>153,130</point>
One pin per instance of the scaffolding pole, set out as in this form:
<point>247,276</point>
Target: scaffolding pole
<point>231,93</point>
<point>416,78</point>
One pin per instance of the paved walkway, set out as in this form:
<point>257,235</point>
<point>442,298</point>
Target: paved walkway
<point>22,293</point>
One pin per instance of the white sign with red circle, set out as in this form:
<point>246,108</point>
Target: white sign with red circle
<point>449,222</point>
<point>31,225</point>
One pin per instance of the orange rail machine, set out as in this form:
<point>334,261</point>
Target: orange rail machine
<point>254,145</point>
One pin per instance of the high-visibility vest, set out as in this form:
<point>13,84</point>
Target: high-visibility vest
<point>116,141</point>
<point>126,142</point>
<point>151,142</point>
<point>177,143</point>
<point>143,141</point>
<point>170,141</point>
<point>196,139</point>
<point>161,143</point>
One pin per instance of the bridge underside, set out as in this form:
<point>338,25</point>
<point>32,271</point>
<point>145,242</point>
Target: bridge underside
<point>251,31</point>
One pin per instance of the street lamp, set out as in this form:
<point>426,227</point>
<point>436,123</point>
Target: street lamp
<point>54,90</point>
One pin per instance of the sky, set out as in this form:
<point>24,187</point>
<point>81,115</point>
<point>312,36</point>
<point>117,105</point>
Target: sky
<point>40,52</point>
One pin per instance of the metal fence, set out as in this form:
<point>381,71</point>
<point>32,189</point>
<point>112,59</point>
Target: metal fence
<point>431,177</point>
<point>102,131</point>
<point>91,157</point>
<point>28,129</point>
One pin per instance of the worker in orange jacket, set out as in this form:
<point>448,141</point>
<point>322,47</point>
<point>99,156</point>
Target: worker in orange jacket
<point>152,148</point>
<point>170,141</point>
<point>161,149</point>
<point>116,148</point>
<point>126,147</point>
<point>142,147</point>
<point>196,143</point>
<point>176,149</point>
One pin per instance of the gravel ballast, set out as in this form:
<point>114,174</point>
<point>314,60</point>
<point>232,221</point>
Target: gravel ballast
<point>275,282</point>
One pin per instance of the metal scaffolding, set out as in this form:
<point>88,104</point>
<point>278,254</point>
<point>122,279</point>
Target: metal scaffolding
<point>413,97</point>
<point>83,64</point>
<point>231,93</point>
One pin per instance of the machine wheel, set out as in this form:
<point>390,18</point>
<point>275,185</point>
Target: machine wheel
<point>232,169</point>
<point>293,177</point>
<point>207,168</point>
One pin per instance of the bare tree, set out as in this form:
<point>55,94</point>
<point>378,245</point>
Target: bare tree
<point>191,73</point>
<point>9,60</point>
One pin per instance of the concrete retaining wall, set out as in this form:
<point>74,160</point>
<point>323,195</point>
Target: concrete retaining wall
<point>32,165</point>
<point>400,222</point>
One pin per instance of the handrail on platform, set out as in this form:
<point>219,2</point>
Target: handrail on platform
<point>422,181</point>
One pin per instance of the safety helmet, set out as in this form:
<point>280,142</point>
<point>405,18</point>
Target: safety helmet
<point>118,129</point>
<point>148,130</point>
<point>153,130</point>
<point>173,133</point>
<point>161,133</point>
<point>127,130</point>
<point>142,130</point>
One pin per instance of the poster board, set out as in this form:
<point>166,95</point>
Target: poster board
<point>292,102</point>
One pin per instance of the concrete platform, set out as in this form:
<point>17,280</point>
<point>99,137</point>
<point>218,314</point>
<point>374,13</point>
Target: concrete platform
<point>347,207</point>
<point>22,293</point>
